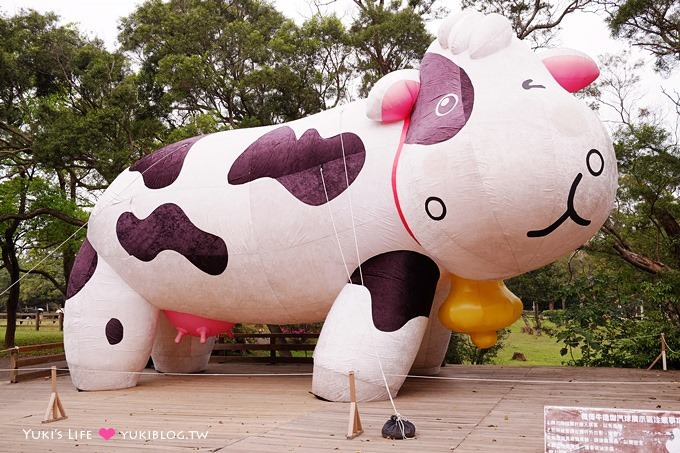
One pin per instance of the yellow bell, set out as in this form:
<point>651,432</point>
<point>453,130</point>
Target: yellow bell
<point>479,308</point>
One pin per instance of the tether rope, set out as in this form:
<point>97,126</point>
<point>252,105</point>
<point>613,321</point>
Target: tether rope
<point>115,199</point>
<point>399,418</point>
<point>335,228</point>
<point>667,346</point>
<point>154,373</point>
<point>349,196</point>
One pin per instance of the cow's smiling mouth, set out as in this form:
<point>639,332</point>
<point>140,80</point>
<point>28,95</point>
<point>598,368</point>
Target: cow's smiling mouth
<point>570,213</point>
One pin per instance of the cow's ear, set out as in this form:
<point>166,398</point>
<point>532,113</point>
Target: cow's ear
<point>393,96</point>
<point>572,69</point>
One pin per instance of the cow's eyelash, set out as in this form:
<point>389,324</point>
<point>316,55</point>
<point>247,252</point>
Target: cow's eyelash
<point>528,84</point>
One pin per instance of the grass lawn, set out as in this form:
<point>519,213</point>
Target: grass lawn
<point>538,350</point>
<point>27,335</point>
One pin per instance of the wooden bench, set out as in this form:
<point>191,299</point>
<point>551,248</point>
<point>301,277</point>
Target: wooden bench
<point>16,362</point>
<point>277,342</point>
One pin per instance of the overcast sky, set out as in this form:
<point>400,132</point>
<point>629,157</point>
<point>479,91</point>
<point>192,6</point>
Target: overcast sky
<point>583,31</point>
<point>100,18</point>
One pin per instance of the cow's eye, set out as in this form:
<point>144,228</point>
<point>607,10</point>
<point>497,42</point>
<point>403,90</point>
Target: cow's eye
<point>446,104</point>
<point>595,162</point>
<point>528,84</point>
<point>435,208</point>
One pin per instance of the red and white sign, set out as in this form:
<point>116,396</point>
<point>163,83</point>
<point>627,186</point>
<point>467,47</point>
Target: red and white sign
<point>586,429</point>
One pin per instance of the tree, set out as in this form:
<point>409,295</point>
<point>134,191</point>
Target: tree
<point>98,124</point>
<point>388,37</point>
<point>645,228</point>
<point>615,317</point>
<point>652,25</point>
<point>25,75</point>
<point>69,121</point>
<point>536,20</point>
<point>236,62</point>
<point>618,310</point>
<point>537,289</point>
<point>326,47</point>
<point>23,213</point>
<point>462,350</point>
<point>638,246</point>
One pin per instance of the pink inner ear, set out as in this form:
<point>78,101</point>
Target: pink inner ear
<point>399,100</point>
<point>572,72</point>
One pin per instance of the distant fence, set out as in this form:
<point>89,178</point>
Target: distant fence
<point>239,351</point>
<point>271,342</point>
<point>16,362</point>
<point>36,319</point>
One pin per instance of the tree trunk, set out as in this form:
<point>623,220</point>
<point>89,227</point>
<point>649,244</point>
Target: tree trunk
<point>9,258</point>
<point>537,320</point>
<point>527,327</point>
<point>68,258</point>
<point>275,328</point>
<point>671,227</point>
<point>637,260</point>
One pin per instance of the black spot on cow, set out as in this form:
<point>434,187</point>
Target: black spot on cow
<point>114,331</point>
<point>444,102</point>
<point>298,164</point>
<point>161,168</point>
<point>402,286</point>
<point>83,269</point>
<point>169,228</point>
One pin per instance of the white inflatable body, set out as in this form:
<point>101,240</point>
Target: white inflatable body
<point>479,166</point>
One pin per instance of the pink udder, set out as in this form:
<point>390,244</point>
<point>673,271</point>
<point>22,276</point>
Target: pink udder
<point>197,326</point>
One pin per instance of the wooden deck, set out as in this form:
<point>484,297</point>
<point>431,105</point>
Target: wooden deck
<point>268,408</point>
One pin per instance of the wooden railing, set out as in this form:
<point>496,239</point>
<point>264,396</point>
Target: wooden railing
<point>273,343</point>
<point>16,362</point>
<point>36,319</point>
<point>277,342</point>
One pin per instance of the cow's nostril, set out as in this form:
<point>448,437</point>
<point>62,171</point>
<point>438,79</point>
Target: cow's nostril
<point>114,331</point>
<point>435,208</point>
<point>595,162</point>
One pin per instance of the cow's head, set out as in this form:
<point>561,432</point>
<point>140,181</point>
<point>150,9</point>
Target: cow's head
<point>501,169</point>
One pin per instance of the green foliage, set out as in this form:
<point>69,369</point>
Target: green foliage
<point>462,350</point>
<point>100,123</point>
<point>387,38</point>
<point>651,24</point>
<point>324,57</point>
<point>68,121</point>
<point>535,21</point>
<point>622,331</point>
<point>650,181</point>
<point>237,61</point>
<point>73,115</point>
<point>538,287</point>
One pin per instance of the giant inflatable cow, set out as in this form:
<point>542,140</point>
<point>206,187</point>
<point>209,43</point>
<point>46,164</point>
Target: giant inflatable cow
<point>394,219</point>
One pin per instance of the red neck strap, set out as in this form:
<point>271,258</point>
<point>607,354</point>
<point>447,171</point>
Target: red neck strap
<point>407,121</point>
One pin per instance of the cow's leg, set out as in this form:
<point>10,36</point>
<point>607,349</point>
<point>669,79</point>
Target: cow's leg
<point>377,325</point>
<point>436,339</point>
<point>108,327</point>
<point>189,356</point>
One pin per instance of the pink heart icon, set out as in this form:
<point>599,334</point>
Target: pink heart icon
<point>107,433</point>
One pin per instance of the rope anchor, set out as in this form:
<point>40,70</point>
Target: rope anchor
<point>662,355</point>
<point>54,407</point>
<point>354,427</point>
<point>398,428</point>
